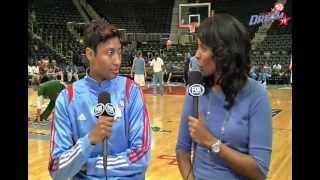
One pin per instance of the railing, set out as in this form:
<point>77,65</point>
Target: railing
<point>38,33</point>
<point>126,36</point>
<point>142,37</point>
<point>87,7</point>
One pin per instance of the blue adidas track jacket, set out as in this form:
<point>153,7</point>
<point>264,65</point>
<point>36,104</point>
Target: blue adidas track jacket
<point>71,154</point>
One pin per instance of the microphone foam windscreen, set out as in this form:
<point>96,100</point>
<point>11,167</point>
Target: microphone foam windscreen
<point>195,77</point>
<point>104,97</point>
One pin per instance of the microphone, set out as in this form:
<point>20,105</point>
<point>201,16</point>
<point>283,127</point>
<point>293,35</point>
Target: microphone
<point>104,108</point>
<point>195,90</point>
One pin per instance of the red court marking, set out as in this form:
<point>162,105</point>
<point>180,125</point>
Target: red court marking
<point>173,160</point>
<point>168,90</point>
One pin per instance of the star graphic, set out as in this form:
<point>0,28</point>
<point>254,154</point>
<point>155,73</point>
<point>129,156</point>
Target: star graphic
<point>284,20</point>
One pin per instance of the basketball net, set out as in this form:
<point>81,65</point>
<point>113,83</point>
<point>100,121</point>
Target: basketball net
<point>192,27</point>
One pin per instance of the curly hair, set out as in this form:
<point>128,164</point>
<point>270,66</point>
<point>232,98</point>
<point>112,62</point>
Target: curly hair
<point>229,41</point>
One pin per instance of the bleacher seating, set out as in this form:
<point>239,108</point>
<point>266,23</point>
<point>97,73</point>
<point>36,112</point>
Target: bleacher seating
<point>52,17</point>
<point>147,13</point>
<point>136,17</point>
<point>120,14</point>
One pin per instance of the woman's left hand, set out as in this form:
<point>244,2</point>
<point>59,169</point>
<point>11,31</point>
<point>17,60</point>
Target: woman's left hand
<point>199,132</point>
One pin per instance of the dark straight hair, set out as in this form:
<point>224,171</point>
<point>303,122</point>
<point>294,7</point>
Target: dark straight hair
<point>229,41</point>
<point>99,31</point>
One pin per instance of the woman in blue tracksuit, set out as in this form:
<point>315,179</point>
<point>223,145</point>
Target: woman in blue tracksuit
<point>77,135</point>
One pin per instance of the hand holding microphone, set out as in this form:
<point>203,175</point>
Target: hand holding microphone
<point>197,128</point>
<point>105,112</point>
<point>195,90</point>
<point>199,131</point>
<point>102,130</point>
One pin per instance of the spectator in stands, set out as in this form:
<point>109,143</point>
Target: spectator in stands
<point>157,64</point>
<point>132,56</point>
<point>233,134</point>
<point>29,71</point>
<point>164,56</point>
<point>35,70</point>
<point>81,71</point>
<point>139,69</point>
<point>29,74</point>
<point>274,66</point>
<point>63,65</point>
<point>56,71</point>
<point>43,69</point>
<point>46,61</point>
<point>72,71</point>
<point>33,17</point>
<point>253,73</point>
<point>267,67</point>
<point>51,74</point>
<point>189,53</point>
<point>264,75</point>
<point>277,67</point>
<point>124,55</point>
<point>149,56</point>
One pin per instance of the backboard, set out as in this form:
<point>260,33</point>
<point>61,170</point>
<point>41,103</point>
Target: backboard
<point>193,13</point>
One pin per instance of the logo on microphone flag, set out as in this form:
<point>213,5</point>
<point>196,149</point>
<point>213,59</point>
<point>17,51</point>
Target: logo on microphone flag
<point>196,90</point>
<point>110,109</point>
<point>99,109</point>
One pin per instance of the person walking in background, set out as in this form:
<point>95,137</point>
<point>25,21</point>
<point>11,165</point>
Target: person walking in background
<point>157,64</point>
<point>139,69</point>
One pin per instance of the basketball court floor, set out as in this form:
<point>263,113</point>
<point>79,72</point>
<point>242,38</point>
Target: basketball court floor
<point>164,114</point>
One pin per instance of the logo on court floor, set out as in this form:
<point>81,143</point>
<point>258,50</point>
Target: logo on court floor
<point>275,112</point>
<point>172,160</point>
